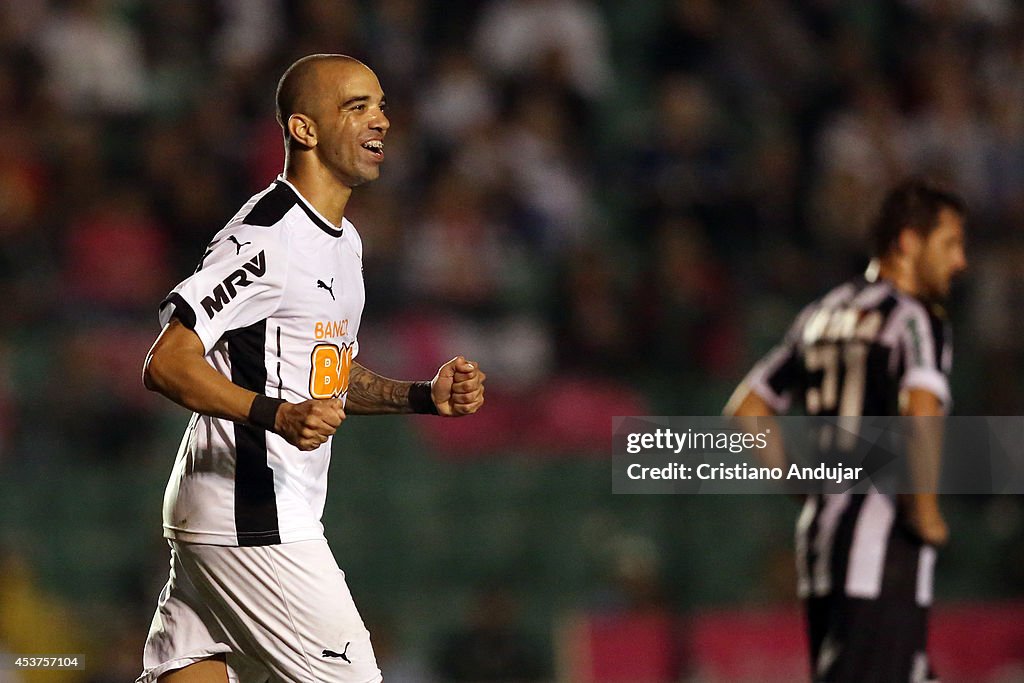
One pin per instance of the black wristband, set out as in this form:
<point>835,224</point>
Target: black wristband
<point>263,411</point>
<point>420,399</point>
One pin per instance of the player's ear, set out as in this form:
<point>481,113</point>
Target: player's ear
<point>302,130</point>
<point>910,241</point>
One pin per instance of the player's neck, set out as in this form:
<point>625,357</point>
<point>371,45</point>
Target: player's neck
<point>901,274</point>
<point>320,188</point>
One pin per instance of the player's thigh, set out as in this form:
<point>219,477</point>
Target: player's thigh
<point>212,670</point>
<point>871,641</point>
<point>330,633</point>
<point>289,608</point>
<point>184,630</point>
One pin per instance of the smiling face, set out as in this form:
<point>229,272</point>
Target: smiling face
<point>332,110</point>
<point>350,123</point>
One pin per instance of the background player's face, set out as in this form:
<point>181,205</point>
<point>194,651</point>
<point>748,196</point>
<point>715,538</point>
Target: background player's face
<point>942,256</point>
<point>351,119</point>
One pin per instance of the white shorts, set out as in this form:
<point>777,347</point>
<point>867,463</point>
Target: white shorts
<point>276,613</point>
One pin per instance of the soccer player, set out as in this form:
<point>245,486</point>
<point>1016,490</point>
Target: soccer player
<point>865,562</point>
<point>261,343</point>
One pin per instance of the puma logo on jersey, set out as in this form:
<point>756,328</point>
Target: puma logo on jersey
<point>335,655</point>
<point>238,245</point>
<point>228,289</point>
<point>330,288</point>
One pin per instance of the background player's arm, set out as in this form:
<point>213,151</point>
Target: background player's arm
<point>766,391</point>
<point>924,451</point>
<point>750,412</point>
<point>746,403</point>
<point>457,389</point>
<point>176,367</point>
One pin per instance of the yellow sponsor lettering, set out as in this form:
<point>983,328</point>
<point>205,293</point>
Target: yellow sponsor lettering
<point>326,329</point>
<point>330,367</point>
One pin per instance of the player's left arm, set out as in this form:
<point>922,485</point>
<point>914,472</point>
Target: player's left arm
<point>924,454</point>
<point>456,390</point>
<point>924,401</point>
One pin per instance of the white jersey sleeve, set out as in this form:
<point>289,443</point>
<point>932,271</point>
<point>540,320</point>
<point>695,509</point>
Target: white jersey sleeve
<point>927,352</point>
<point>240,281</point>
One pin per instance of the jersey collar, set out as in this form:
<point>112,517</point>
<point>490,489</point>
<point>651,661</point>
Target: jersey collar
<point>314,215</point>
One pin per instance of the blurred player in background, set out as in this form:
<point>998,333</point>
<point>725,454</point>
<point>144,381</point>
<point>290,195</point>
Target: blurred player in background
<point>865,562</point>
<point>260,342</point>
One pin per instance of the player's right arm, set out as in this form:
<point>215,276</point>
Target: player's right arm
<point>240,282</point>
<point>176,367</point>
<point>746,403</point>
<point>767,391</point>
<point>753,414</point>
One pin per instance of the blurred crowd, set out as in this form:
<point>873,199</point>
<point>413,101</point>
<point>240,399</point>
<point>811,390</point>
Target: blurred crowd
<point>639,192</point>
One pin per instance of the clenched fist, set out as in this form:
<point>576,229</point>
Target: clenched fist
<point>458,388</point>
<point>309,424</point>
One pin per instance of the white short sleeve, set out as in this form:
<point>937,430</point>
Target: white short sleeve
<point>925,349</point>
<point>239,282</point>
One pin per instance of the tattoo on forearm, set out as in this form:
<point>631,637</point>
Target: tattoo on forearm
<point>371,394</point>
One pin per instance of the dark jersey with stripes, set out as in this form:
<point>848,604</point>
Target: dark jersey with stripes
<point>852,353</point>
<point>854,350</point>
<point>866,576</point>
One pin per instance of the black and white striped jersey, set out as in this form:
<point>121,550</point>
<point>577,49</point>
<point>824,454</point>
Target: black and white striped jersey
<point>276,301</point>
<point>854,350</point>
<point>852,353</point>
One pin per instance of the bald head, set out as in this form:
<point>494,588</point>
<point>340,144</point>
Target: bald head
<point>331,108</point>
<point>301,87</point>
